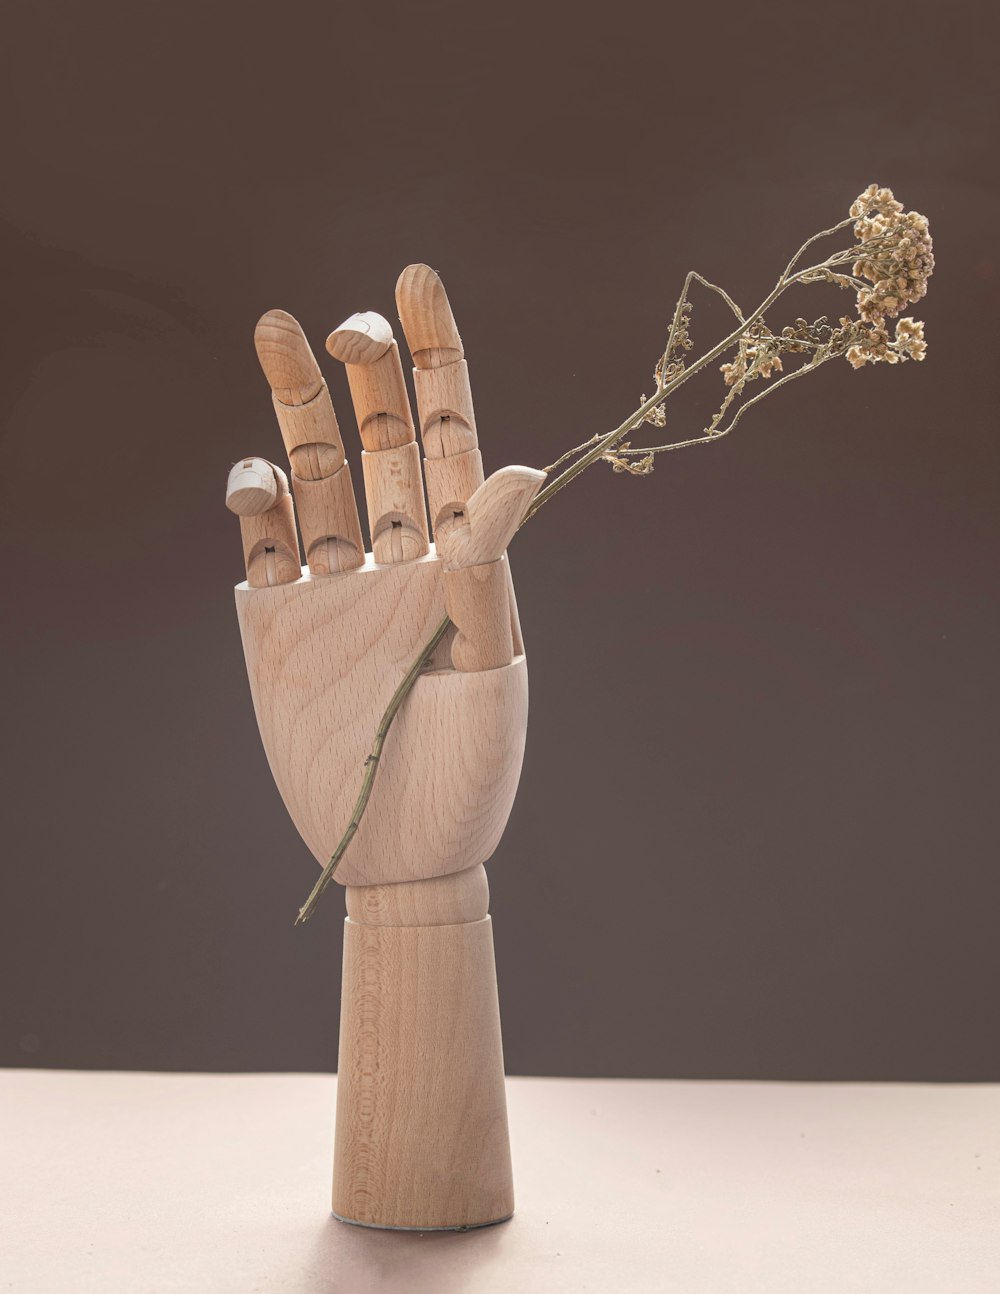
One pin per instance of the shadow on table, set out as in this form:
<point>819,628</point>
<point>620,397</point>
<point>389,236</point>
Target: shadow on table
<point>363,1259</point>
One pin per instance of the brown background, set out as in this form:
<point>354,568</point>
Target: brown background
<point>756,835</point>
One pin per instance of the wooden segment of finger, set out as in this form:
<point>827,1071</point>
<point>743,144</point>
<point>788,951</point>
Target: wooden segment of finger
<point>365,345</point>
<point>450,484</point>
<point>444,405</point>
<point>271,546</point>
<point>361,339</point>
<point>477,583</point>
<point>381,403</point>
<point>492,515</point>
<point>477,603</point>
<point>286,358</point>
<point>254,486</point>
<point>257,492</point>
<point>328,517</point>
<point>395,504</point>
<point>428,322</point>
<point>312,436</point>
<point>301,400</point>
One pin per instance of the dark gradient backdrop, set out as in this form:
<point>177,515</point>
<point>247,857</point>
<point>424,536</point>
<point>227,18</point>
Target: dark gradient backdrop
<point>757,829</point>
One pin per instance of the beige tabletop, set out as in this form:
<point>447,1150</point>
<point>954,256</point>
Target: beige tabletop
<point>160,1183</point>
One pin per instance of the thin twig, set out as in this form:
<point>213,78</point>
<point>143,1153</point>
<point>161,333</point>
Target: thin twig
<point>682,299</point>
<point>773,386</point>
<point>612,438</point>
<point>722,293</point>
<point>824,233</point>
<point>572,453</point>
<point>371,767</point>
<point>709,436</point>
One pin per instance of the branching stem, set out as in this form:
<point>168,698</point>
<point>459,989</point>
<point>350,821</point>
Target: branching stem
<point>602,446</point>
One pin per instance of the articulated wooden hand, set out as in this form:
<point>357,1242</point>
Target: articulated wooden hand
<point>421,1122</point>
<point>326,648</point>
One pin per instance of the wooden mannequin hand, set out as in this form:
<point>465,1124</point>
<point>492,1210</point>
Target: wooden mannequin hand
<point>421,1116</point>
<point>327,645</point>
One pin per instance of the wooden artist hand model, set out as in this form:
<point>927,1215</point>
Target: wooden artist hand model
<point>421,1113</point>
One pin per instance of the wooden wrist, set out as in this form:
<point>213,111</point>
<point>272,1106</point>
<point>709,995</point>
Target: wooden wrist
<point>421,1109</point>
<point>436,901</point>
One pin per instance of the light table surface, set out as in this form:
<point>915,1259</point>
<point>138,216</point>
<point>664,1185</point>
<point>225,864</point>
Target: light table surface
<point>156,1183</point>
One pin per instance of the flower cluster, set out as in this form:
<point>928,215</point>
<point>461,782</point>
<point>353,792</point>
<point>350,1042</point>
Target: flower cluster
<point>896,254</point>
<point>895,257</point>
<point>872,344</point>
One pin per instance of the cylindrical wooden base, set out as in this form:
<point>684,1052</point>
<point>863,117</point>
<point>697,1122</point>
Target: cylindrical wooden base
<point>421,1137</point>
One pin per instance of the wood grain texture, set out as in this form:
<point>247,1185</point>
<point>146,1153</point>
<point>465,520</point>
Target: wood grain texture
<point>453,466</point>
<point>270,540</point>
<point>394,489</point>
<point>421,1117</point>
<point>478,591</point>
<point>323,658</point>
<point>253,487</point>
<point>361,339</point>
<point>381,404</point>
<point>426,315</point>
<point>395,495</point>
<point>314,423</point>
<point>328,518</point>
<point>441,376</point>
<point>515,615</point>
<point>491,517</point>
<point>477,602</point>
<point>286,358</point>
<point>328,511</point>
<point>366,347</point>
<point>444,406</point>
<point>394,492</point>
<point>422,1138</point>
<point>439,901</point>
<point>450,483</point>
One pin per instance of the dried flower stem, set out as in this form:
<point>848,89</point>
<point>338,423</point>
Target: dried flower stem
<point>612,438</point>
<point>371,768</point>
<point>599,447</point>
<point>895,255</point>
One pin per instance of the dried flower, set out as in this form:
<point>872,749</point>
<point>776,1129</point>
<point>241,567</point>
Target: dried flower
<point>910,338</point>
<point>871,346</point>
<point>897,254</point>
<point>874,202</point>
